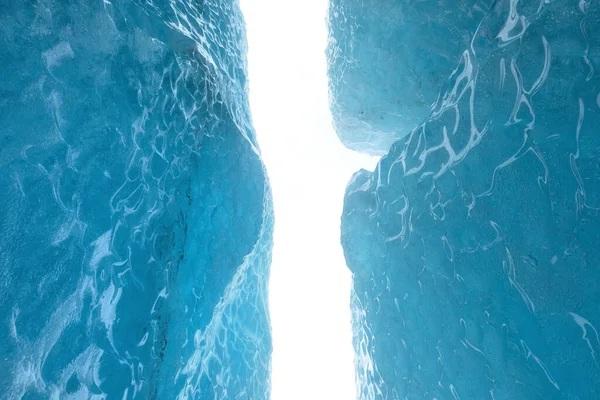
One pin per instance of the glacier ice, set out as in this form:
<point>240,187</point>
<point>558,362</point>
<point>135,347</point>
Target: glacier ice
<point>387,60</point>
<point>136,217</point>
<point>474,245</point>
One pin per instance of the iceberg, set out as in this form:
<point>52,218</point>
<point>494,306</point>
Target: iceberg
<point>387,61</point>
<point>474,245</point>
<point>136,214</point>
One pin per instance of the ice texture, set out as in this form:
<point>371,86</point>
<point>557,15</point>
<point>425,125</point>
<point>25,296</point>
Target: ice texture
<point>387,60</point>
<point>474,245</point>
<point>135,211</point>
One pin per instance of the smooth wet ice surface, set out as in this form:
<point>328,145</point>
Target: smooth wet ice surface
<point>136,218</point>
<point>474,244</point>
<point>388,60</point>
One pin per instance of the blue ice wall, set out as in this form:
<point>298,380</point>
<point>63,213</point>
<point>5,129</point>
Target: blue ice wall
<point>135,212</point>
<point>387,60</point>
<point>475,244</point>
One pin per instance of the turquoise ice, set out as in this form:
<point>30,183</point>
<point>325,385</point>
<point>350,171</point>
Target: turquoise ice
<point>387,60</point>
<point>475,243</point>
<point>135,211</point>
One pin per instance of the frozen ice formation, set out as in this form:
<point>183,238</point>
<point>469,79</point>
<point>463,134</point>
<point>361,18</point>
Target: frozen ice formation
<point>136,217</point>
<point>387,60</point>
<point>474,245</point>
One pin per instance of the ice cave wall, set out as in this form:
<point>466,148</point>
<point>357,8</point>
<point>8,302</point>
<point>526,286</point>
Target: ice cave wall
<point>136,217</point>
<point>474,245</point>
<point>387,60</point>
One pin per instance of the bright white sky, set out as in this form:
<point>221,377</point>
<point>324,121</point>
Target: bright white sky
<point>309,169</point>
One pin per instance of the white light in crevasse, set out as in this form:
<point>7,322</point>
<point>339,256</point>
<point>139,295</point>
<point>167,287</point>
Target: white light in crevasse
<point>308,168</point>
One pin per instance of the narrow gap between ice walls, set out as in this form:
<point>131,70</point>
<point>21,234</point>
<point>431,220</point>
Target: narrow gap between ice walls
<point>308,169</point>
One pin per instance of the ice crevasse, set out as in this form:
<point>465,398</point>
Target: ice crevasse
<point>135,211</point>
<point>474,244</point>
